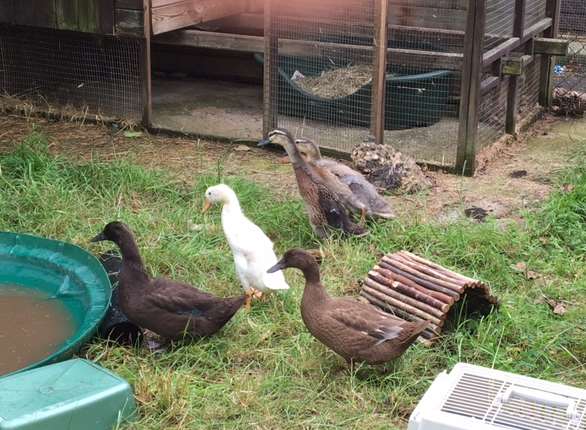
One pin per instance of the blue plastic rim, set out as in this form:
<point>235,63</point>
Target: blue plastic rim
<point>63,271</point>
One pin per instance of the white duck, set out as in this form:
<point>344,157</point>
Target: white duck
<point>252,249</point>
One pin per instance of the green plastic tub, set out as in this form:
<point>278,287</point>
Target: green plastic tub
<point>412,99</point>
<point>74,394</point>
<point>60,270</point>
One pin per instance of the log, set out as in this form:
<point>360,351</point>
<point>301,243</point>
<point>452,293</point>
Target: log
<point>382,277</point>
<point>415,289</point>
<point>430,274</point>
<point>379,283</point>
<point>408,282</point>
<point>431,285</point>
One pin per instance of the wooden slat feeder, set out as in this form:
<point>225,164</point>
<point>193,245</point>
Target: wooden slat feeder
<point>416,289</point>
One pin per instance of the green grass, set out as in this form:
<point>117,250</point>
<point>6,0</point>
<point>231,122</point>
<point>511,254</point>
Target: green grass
<point>264,370</point>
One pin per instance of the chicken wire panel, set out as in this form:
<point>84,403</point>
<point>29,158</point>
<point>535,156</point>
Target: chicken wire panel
<point>570,72</point>
<point>422,94</point>
<point>500,15</point>
<point>324,89</point>
<point>535,11</point>
<point>326,94</point>
<point>492,115</point>
<point>529,94</point>
<point>72,72</point>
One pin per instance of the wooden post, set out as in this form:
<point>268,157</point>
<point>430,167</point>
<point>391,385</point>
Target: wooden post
<point>271,52</point>
<point>381,27</point>
<point>147,116</point>
<point>470,91</point>
<point>547,63</point>
<point>514,81</point>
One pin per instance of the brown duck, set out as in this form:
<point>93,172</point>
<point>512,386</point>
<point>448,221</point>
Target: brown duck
<point>375,205</point>
<point>326,201</point>
<point>171,309</point>
<point>359,332</point>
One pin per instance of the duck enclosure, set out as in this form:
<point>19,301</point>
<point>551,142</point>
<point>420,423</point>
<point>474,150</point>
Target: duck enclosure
<point>441,80</point>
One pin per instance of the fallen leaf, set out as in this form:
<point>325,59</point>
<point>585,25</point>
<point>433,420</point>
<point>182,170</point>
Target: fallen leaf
<point>520,267</point>
<point>242,148</point>
<point>531,275</point>
<point>567,188</point>
<point>559,309</point>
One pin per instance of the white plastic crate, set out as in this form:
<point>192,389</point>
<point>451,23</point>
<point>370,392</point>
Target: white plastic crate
<point>476,398</point>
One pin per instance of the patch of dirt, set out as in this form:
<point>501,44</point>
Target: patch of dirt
<point>542,153</point>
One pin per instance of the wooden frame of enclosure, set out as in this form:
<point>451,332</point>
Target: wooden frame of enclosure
<point>248,26</point>
<point>539,38</point>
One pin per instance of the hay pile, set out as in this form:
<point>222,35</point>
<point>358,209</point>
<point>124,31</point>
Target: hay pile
<point>389,169</point>
<point>336,83</point>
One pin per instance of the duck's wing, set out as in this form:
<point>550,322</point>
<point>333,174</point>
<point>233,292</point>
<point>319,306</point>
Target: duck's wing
<point>368,323</point>
<point>249,239</point>
<point>180,298</point>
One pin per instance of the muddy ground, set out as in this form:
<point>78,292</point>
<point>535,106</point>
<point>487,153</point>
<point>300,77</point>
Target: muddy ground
<point>520,176</point>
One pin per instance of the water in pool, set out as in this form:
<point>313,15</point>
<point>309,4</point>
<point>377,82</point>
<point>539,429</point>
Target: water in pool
<point>32,326</point>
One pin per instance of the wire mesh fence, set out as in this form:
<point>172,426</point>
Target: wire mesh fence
<point>326,63</point>
<point>570,72</point>
<point>64,71</point>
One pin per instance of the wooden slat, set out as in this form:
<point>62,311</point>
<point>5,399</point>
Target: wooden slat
<point>106,16</point>
<point>129,23</point>
<point>130,4</point>
<point>379,74</point>
<point>271,71</point>
<point>546,82</point>
<point>147,115</point>
<point>470,93</point>
<point>303,48</point>
<point>514,84</point>
<point>184,13</point>
<point>67,13</point>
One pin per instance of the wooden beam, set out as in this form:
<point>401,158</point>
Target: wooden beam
<point>489,84</point>
<point>470,92</point>
<point>552,9</point>
<point>271,71</point>
<point>305,48</point>
<point>515,68</point>
<point>557,47</point>
<point>130,23</point>
<point>379,73</point>
<point>147,115</point>
<point>172,15</point>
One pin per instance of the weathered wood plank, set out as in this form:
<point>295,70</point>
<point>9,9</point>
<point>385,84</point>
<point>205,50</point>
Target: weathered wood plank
<point>271,71</point>
<point>553,8</point>
<point>471,85</point>
<point>67,13</point>
<point>558,47</point>
<point>130,4</point>
<point>379,73</point>
<point>184,13</point>
<point>7,11</point>
<point>129,22</point>
<point>147,116</point>
<point>106,16</point>
<point>88,19</point>
<point>303,48</point>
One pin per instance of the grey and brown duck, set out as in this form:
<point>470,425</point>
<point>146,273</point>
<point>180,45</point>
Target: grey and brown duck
<point>375,205</point>
<point>357,331</point>
<point>171,309</point>
<point>326,201</point>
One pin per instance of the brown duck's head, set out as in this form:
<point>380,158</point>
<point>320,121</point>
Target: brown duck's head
<point>298,259</point>
<point>283,137</point>
<point>308,149</point>
<point>115,231</point>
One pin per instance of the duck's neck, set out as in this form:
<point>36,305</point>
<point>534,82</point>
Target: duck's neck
<point>294,154</point>
<point>231,206</point>
<point>131,259</point>
<point>314,291</point>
